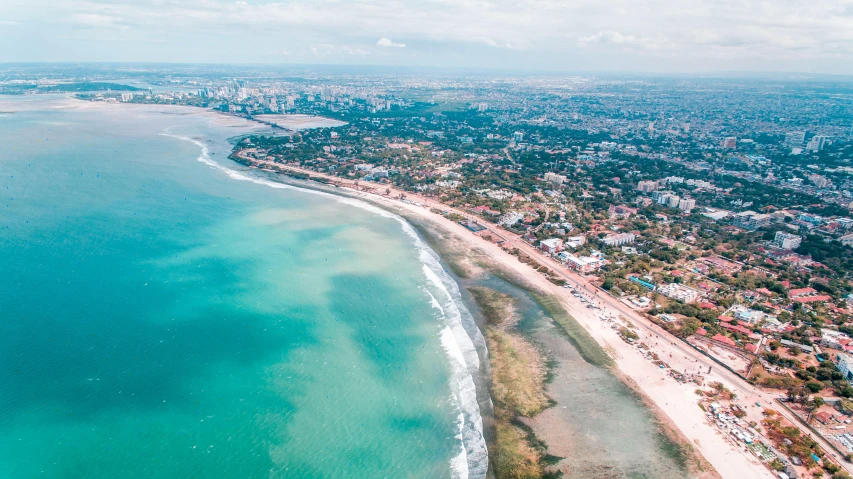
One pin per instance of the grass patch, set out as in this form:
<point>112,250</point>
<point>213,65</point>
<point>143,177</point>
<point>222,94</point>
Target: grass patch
<point>588,348</point>
<point>512,455</point>
<point>497,307</point>
<point>518,374</point>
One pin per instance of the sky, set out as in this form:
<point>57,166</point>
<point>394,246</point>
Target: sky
<point>647,36</point>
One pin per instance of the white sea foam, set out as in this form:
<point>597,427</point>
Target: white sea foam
<point>459,343</point>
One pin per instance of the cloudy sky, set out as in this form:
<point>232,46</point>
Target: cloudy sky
<point>557,35</point>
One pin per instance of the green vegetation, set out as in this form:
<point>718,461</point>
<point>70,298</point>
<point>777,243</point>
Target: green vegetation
<point>22,88</point>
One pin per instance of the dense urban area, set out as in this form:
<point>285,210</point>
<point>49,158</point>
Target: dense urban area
<point>717,208</point>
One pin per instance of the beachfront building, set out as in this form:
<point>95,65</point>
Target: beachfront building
<point>551,245</point>
<point>583,264</point>
<point>510,218</point>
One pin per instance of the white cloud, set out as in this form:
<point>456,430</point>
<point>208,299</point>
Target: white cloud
<point>326,49</point>
<point>607,37</point>
<point>689,34</point>
<point>95,20</point>
<point>387,42</point>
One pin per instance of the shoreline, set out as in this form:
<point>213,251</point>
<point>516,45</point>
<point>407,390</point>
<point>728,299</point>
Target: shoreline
<point>674,404</point>
<point>637,373</point>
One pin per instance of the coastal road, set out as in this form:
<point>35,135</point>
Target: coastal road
<point>743,388</point>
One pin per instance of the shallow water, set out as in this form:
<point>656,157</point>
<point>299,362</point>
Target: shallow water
<point>601,429</point>
<point>167,313</point>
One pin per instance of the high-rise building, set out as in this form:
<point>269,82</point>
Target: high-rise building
<point>518,136</point>
<point>845,365</point>
<point>647,186</point>
<point>554,178</point>
<point>817,143</point>
<point>666,198</point>
<point>673,201</point>
<point>687,204</point>
<point>730,142</point>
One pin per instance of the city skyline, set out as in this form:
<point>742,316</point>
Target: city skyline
<point>662,37</point>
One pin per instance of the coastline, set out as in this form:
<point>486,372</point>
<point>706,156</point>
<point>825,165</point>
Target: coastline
<point>672,404</point>
<point>461,339</point>
<point>634,372</point>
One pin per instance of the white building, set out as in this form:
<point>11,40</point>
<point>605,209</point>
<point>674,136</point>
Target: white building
<point>845,365</point>
<point>575,242</point>
<point>687,204</point>
<point>673,201</point>
<point>619,239</point>
<point>679,292</point>
<point>647,186</point>
<point>833,339</point>
<point>551,245</point>
<point>510,218</point>
<point>554,178</point>
<point>787,241</point>
<point>817,143</point>
<point>584,264</point>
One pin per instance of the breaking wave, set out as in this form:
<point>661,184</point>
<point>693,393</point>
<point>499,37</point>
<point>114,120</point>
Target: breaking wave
<point>459,336</point>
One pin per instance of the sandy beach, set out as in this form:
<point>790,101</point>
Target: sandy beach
<point>675,404</point>
<point>299,122</point>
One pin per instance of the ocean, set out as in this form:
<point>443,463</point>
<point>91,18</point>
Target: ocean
<point>168,313</point>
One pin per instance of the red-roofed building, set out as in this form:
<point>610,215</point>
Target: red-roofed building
<point>739,329</point>
<point>796,293</point>
<point>702,332</point>
<point>823,416</point>
<point>722,339</point>
<point>813,299</point>
<point>751,348</point>
<point>707,305</point>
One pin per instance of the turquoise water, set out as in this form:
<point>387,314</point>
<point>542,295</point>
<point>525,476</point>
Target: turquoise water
<point>167,314</point>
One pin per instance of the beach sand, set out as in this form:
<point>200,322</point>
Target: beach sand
<point>675,404</point>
